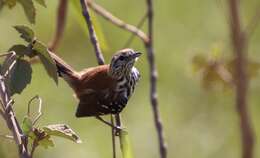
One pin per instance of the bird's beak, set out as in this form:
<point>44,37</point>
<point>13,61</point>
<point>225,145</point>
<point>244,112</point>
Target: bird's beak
<point>136,55</point>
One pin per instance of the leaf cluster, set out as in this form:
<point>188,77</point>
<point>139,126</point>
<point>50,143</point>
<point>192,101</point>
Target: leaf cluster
<point>21,74</point>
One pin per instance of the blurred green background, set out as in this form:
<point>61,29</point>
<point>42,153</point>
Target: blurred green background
<point>198,123</point>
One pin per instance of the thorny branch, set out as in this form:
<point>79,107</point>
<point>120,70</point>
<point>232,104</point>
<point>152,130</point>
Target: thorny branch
<point>61,21</point>
<point>11,120</point>
<point>240,41</point>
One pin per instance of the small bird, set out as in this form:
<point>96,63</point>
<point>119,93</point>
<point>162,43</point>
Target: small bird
<point>103,89</point>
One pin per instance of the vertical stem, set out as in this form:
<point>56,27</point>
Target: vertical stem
<point>239,41</point>
<point>153,81</point>
<point>113,137</point>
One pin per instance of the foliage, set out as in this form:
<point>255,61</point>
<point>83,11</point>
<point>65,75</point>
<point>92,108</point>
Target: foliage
<point>28,7</point>
<point>215,69</point>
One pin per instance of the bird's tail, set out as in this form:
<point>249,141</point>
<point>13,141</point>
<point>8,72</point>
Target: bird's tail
<point>65,70</point>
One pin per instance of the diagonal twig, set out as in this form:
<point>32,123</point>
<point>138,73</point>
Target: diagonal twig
<point>60,26</point>
<point>139,25</point>
<point>153,82</point>
<point>92,33</point>
<point>116,21</point>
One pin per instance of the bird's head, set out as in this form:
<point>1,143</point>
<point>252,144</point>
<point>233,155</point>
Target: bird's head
<point>123,62</point>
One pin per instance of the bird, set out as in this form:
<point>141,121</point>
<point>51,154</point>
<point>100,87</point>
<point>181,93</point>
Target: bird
<point>103,89</point>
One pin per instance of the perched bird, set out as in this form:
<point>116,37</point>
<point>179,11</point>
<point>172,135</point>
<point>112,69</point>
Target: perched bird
<point>103,89</point>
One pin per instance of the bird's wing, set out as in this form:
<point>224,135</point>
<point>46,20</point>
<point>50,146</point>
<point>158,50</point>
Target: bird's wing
<point>95,79</point>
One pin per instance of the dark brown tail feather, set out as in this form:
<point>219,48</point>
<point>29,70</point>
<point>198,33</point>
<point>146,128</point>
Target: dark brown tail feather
<point>65,70</point>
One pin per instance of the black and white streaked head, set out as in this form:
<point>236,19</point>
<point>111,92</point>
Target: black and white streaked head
<point>123,62</point>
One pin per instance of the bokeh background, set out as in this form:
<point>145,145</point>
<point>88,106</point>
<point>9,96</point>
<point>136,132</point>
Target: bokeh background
<point>198,122</point>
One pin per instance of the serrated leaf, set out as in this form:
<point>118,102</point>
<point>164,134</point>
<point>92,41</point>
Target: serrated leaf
<point>21,76</point>
<point>125,144</point>
<point>26,33</point>
<point>46,60</point>
<point>41,2</point>
<point>29,9</point>
<point>10,3</point>
<point>27,125</point>
<point>62,130</point>
<point>46,142</point>
<point>76,8</point>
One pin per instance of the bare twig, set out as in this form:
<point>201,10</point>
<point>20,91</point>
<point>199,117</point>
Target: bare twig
<point>39,109</point>
<point>92,33</point>
<point>239,41</point>
<point>153,82</point>
<point>139,25</point>
<point>116,21</point>
<point>61,21</point>
<point>7,136</point>
<point>113,136</point>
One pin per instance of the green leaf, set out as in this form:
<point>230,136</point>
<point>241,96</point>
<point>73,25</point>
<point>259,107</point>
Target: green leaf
<point>26,33</point>
<point>27,125</point>
<point>29,10</point>
<point>125,144</point>
<point>19,49</point>
<point>46,142</point>
<point>10,3</point>
<point>46,60</point>
<point>22,50</point>
<point>21,76</point>
<point>41,2</point>
<point>76,8</point>
<point>62,130</point>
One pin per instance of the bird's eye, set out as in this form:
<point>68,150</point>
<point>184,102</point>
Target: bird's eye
<point>121,58</point>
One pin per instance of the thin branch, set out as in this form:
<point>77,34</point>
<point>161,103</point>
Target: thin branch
<point>12,122</point>
<point>116,21</point>
<point>113,136</point>
<point>139,25</point>
<point>239,41</point>
<point>6,136</point>
<point>92,33</point>
<point>153,82</point>
<point>254,22</point>
<point>60,26</point>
